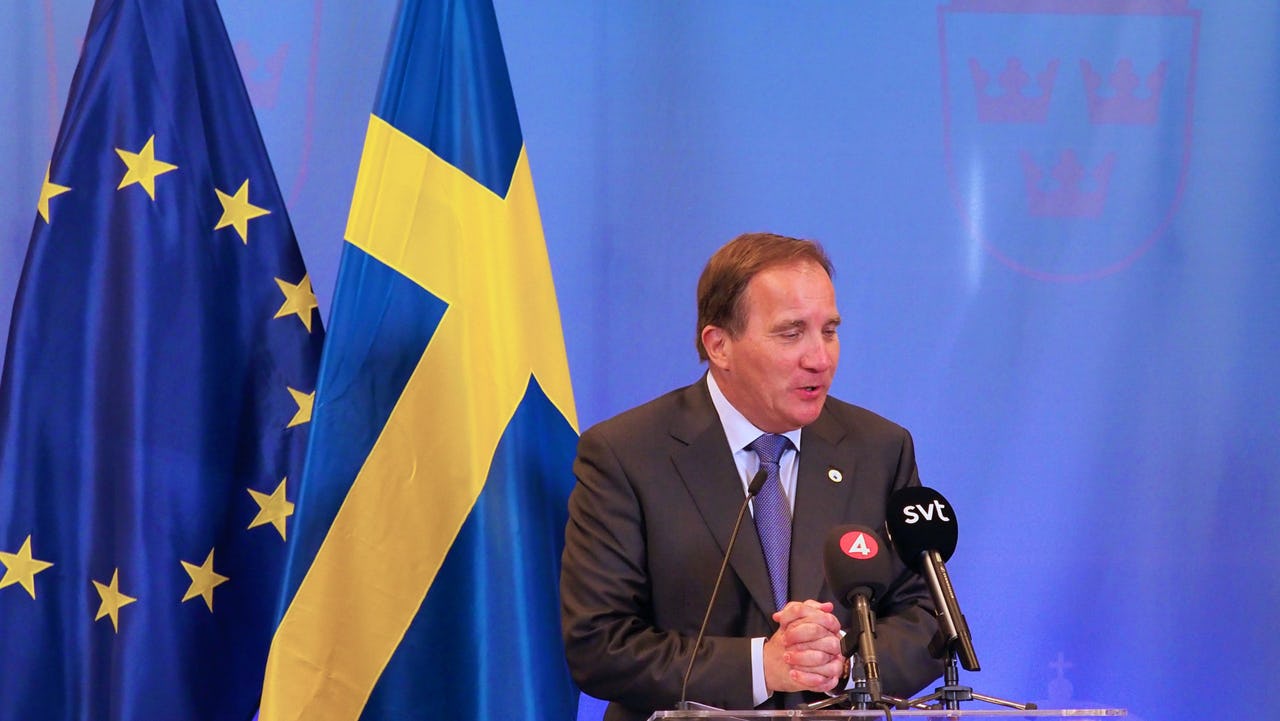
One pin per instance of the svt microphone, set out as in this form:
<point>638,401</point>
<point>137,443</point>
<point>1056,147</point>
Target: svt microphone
<point>757,482</point>
<point>922,527</point>
<point>857,569</point>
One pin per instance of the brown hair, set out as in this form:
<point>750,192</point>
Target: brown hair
<point>724,281</point>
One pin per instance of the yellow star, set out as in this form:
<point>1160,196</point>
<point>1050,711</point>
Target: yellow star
<point>112,600</point>
<point>272,508</point>
<point>298,300</point>
<point>203,580</point>
<point>48,190</point>
<point>237,211</point>
<point>143,167</point>
<point>21,568</point>
<point>305,402</point>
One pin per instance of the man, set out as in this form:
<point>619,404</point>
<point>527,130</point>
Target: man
<point>659,488</point>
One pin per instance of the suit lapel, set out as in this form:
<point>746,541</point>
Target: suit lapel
<point>821,503</point>
<point>707,468</point>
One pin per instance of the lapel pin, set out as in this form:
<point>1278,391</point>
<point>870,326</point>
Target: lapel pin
<point>835,475</point>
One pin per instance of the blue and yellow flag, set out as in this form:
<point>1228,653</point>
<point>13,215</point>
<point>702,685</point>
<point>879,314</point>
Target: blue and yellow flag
<point>432,509</point>
<point>156,392</point>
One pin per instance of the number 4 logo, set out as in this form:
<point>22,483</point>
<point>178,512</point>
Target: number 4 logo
<point>859,545</point>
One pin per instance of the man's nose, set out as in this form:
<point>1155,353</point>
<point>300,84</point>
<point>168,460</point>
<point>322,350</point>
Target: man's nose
<point>820,355</point>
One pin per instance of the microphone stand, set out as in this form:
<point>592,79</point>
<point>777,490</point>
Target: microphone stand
<point>753,488</point>
<point>858,698</point>
<point>866,693</point>
<point>951,693</point>
<point>954,643</point>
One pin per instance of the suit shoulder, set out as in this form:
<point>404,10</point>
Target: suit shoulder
<point>651,417</point>
<point>863,422</point>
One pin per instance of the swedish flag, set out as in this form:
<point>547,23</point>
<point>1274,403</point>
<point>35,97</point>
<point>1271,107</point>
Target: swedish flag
<point>430,519</point>
<point>157,389</point>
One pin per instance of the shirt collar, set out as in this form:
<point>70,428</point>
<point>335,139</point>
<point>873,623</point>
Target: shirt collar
<point>740,431</point>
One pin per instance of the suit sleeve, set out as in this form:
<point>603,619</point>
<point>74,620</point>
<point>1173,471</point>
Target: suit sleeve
<point>614,648</point>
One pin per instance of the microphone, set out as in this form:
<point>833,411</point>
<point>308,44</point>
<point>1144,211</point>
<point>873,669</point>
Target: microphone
<point>757,482</point>
<point>857,573</point>
<point>922,528</point>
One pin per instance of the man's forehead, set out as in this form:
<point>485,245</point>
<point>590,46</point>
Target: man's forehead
<point>787,294</point>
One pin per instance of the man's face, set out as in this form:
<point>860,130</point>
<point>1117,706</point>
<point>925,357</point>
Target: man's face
<point>778,370</point>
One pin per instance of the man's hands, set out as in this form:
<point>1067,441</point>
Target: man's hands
<point>804,653</point>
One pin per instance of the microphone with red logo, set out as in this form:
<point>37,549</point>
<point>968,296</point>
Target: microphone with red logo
<point>922,528</point>
<point>857,571</point>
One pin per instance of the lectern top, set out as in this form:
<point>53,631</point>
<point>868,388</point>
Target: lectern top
<point>922,714</point>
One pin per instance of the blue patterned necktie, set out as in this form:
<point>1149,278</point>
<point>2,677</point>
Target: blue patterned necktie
<point>772,516</point>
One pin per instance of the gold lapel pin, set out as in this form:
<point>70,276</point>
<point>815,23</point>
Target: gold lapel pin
<point>835,475</point>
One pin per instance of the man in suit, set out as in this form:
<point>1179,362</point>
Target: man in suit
<point>659,488</point>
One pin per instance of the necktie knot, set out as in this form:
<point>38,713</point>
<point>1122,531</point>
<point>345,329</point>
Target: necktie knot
<point>769,447</point>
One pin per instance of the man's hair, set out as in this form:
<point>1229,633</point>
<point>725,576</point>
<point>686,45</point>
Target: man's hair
<point>723,285</point>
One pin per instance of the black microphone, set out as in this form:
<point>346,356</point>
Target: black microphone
<point>922,528</point>
<point>757,482</point>
<point>858,571</point>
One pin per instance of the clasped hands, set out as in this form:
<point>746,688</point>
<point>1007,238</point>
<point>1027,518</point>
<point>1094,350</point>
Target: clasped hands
<point>804,653</point>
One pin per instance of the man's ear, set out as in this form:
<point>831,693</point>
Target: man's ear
<point>716,342</point>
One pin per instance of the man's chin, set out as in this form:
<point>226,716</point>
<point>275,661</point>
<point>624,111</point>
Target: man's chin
<point>809,412</point>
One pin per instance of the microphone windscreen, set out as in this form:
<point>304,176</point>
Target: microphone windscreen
<point>919,519</point>
<point>856,561</point>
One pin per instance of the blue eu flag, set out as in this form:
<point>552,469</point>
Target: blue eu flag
<point>157,389</point>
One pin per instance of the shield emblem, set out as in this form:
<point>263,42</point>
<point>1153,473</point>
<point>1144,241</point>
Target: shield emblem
<point>1067,127</point>
<point>277,47</point>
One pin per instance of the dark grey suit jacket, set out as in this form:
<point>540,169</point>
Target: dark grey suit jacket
<point>649,521</point>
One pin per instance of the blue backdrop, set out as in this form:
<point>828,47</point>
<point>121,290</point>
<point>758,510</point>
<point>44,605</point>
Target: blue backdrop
<point>1055,229</point>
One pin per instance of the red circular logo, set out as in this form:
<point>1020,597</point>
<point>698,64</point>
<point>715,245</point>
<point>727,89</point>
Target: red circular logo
<point>859,545</point>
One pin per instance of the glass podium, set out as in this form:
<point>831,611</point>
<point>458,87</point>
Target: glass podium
<point>922,714</point>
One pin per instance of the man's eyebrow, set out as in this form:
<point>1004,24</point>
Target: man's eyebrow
<point>786,325</point>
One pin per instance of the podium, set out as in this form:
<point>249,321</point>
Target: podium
<point>921,714</point>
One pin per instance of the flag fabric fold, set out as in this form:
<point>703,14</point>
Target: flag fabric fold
<point>431,515</point>
<point>157,389</point>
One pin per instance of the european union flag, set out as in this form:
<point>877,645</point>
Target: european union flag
<point>432,511</point>
<point>157,389</point>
